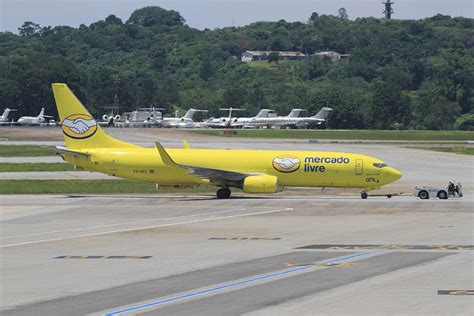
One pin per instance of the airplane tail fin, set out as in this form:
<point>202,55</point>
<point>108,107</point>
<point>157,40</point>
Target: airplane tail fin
<point>323,113</point>
<point>264,113</point>
<point>295,113</point>
<point>5,113</point>
<point>80,129</point>
<point>190,114</point>
<point>41,113</point>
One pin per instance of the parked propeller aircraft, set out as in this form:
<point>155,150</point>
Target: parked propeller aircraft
<point>34,120</point>
<point>185,121</point>
<point>253,171</point>
<point>4,117</point>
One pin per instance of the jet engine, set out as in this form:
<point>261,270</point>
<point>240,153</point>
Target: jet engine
<point>260,184</point>
<point>105,117</point>
<point>116,117</point>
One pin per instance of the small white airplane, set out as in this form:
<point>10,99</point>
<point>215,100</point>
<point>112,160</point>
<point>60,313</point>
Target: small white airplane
<point>294,121</point>
<point>185,121</point>
<point>252,122</point>
<point>263,117</point>
<point>34,120</point>
<point>221,122</point>
<point>4,117</point>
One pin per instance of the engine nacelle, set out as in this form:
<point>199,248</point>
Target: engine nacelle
<point>116,117</point>
<point>260,184</point>
<point>105,117</point>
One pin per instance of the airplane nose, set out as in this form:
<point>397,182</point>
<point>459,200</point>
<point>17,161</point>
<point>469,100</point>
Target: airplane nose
<point>394,174</point>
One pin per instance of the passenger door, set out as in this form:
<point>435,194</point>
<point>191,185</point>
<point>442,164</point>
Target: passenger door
<point>359,167</point>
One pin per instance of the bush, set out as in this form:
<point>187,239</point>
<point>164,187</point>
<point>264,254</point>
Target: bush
<point>464,122</point>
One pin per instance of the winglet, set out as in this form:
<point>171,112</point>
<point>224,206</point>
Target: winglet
<point>164,156</point>
<point>186,144</point>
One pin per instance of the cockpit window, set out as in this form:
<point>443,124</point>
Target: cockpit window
<point>380,165</point>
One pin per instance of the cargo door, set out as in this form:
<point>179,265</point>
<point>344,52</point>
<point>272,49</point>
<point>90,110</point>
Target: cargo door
<point>359,167</point>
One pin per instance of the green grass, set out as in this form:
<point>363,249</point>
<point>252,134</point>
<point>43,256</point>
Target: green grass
<point>25,151</point>
<point>28,167</point>
<point>88,187</point>
<point>454,149</point>
<point>350,134</point>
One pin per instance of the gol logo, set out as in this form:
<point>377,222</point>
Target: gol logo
<point>286,164</point>
<point>79,126</point>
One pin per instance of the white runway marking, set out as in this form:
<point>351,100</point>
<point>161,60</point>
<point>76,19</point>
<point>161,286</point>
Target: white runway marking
<point>144,228</point>
<point>118,224</point>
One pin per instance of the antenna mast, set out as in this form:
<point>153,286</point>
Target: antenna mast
<point>388,9</point>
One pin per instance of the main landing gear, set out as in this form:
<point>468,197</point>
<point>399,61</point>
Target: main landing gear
<point>363,195</point>
<point>223,193</point>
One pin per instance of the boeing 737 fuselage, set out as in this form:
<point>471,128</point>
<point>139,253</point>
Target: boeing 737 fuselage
<point>253,171</point>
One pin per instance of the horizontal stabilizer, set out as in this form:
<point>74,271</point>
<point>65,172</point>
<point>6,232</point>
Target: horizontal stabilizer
<point>64,150</point>
<point>186,144</point>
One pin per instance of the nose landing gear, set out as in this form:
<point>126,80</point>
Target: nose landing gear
<point>223,193</point>
<point>363,195</point>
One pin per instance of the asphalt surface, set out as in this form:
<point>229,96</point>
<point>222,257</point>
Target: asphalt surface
<point>75,255</point>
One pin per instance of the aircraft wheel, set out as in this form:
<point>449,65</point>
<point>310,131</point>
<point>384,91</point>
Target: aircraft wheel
<point>363,195</point>
<point>223,193</point>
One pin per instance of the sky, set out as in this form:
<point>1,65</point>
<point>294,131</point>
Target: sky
<point>216,13</point>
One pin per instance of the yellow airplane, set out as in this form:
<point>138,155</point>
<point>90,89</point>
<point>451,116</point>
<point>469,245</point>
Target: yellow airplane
<point>254,171</point>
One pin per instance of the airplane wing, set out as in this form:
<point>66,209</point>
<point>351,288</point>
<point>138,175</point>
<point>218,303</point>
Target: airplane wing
<point>211,174</point>
<point>217,175</point>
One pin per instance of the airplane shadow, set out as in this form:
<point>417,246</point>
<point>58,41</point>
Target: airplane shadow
<point>175,198</point>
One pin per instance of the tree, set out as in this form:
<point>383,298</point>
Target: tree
<point>389,106</point>
<point>314,17</point>
<point>343,14</point>
<point>402,74</point>
<point>432,110</point>
<point>150,16</point>
<point>112,19</point>
<point>273,57</point>
<point>29,29</point>
<point>206,70</point>
<point>464,122</point>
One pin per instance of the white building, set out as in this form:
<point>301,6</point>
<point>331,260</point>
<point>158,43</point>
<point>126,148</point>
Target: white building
<point>332,55</point>
<point>256,55</point>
